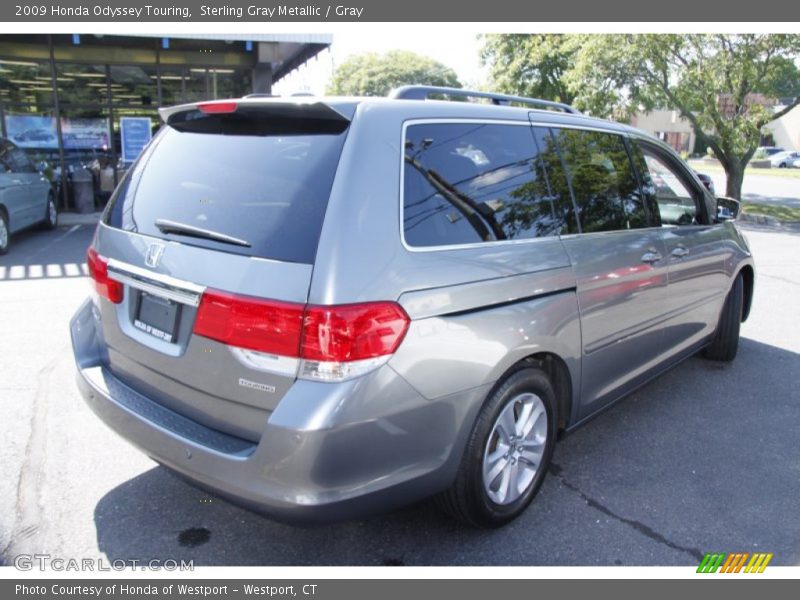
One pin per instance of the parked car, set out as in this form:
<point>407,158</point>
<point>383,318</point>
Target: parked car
<point>707,182</point>
<point>784,159</point>
<point>323,307</point>
<point>26,196</point>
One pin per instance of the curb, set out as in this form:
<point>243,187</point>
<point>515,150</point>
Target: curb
<point>760,219</point>
<point>771,223</point>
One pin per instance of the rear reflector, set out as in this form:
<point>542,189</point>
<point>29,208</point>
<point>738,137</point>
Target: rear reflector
<point>98,270</point>
<point>215,108</point>
<point>328,334</point>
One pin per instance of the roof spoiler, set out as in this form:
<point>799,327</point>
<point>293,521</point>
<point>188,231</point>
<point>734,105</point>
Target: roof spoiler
<point>294,108</point>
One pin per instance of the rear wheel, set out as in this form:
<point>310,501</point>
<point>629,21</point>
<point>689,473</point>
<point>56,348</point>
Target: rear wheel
<point>508,452</point>
<point>5,235</point>
<point>51,218</point>
<point>726,339</point>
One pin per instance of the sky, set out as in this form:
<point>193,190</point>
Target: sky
<point>460,52</point>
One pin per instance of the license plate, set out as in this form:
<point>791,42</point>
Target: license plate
<point>157,316</point>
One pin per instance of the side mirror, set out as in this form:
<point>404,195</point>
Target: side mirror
<point>727,208</point>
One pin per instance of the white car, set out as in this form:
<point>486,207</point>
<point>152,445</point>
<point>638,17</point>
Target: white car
<point>26,197</point>
<point>784,159</point>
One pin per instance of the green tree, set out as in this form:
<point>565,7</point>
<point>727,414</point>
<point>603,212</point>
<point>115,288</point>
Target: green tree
<point>376,74</point>
<point>723,85</point>
<point>530,65</point>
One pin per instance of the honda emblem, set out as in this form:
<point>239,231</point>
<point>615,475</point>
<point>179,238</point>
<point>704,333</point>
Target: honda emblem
<point>153,256</point>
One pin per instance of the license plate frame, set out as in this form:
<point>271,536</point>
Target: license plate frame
<point>157,316</point>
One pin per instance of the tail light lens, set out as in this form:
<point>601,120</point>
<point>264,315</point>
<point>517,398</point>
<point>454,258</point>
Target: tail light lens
<point>333,343</point>
<point>263,325</point>
<point>98,270</point>
<point>353,331</point>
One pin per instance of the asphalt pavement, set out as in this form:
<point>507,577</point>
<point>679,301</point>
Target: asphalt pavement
<point>703,459</point>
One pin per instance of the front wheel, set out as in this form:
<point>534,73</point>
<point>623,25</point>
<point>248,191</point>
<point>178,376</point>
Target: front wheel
<point>51,217</point>
<point>725,344</point>
<point>508,452</point>
<point>5,234</point>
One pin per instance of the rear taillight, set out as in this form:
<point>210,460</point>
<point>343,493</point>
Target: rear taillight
<point>98,270</point>
<point>353,331</point>
<point>333,343</point>
<point>245,322</point>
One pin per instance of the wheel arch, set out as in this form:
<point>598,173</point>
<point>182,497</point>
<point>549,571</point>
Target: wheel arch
<point>748,279</point>
<point>558,372</point>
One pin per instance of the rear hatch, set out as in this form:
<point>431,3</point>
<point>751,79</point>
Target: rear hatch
<point>220,217</point>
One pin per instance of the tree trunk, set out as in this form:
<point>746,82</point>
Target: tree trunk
<point>735,176</point>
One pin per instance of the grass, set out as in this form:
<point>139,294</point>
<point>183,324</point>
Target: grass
<point>702,167</point>
<point>779,211</point>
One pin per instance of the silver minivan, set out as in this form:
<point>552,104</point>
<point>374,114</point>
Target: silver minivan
<point>327,307</point>
<point>26,196</point>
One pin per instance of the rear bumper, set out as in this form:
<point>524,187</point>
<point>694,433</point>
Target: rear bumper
<point>328,452</point>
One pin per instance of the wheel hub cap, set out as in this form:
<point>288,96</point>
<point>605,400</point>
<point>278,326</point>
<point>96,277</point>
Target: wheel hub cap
<point>515,448</point>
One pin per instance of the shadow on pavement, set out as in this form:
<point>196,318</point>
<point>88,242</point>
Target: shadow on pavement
<point>702,459</point>
<point>38,254</point>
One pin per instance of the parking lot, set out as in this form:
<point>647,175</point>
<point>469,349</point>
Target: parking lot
<point>706,458</point>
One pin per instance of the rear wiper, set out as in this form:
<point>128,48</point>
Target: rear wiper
<point>166,226</point>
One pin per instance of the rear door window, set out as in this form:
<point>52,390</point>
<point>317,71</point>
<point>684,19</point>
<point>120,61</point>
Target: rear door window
<point>605,188</point>
<point>264,185</point>
<point>468,183</point>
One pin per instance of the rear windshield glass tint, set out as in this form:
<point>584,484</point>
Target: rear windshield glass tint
<point>270,191</point>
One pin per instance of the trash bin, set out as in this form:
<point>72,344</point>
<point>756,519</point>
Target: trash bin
<point>83,190</point>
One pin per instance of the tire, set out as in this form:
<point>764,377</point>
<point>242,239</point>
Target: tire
<point>478,501</point>
<point>5,234</point>
<point>726,339</point>
<point>51,215</point>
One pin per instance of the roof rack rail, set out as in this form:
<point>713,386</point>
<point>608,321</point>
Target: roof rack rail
<point>422,92</point>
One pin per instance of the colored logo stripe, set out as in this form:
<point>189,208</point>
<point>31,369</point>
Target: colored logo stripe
<point>758,563</point>
<point>734,562</point>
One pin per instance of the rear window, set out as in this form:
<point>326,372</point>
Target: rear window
<point>267,191</point>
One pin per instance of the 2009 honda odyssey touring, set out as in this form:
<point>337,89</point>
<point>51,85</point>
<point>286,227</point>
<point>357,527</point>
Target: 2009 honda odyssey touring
<point>322,308</point>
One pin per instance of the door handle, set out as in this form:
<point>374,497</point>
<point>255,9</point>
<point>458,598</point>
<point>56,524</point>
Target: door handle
<point>680,252</point>
<point>651,256</point>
